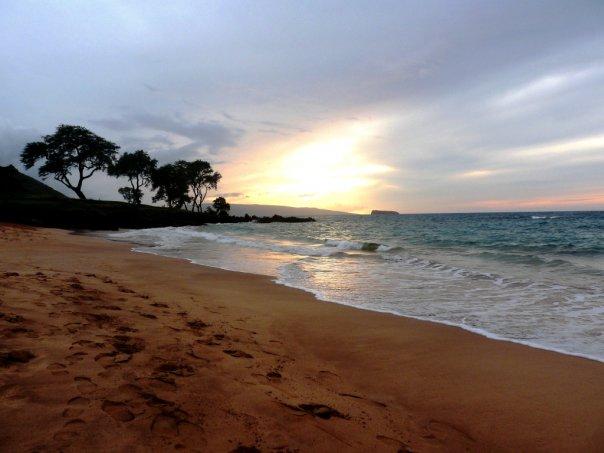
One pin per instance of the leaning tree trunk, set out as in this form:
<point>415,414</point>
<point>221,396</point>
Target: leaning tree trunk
<point>79,193</point>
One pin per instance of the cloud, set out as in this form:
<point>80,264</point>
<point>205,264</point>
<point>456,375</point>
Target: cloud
<point>151,143</point>
<point>274,132</point>
<point>509,88</point>
<point>585,201</point>
<point>580,145</point>
<point>279,125</point>
<point>233,195</point>
<point>12,142</point>
<point>274,127</point>
<point>209,135</point>
<point>476,174</point>
<point>547,85</point>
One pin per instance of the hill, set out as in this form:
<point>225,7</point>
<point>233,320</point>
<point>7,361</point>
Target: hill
<point>25,200</point>
<point>14,184</point>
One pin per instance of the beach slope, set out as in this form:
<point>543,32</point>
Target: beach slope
<point>103,349</point>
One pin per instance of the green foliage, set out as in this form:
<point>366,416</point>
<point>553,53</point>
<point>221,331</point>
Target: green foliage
<point>70,150</point>
<point>184,182</point>
<point>221,207</point>
<point>138,168</point>
<point>201,178</point>
<point>132,196</point>
<point>172,184</point>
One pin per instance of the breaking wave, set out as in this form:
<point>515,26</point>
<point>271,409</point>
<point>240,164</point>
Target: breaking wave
<point>501,275</point>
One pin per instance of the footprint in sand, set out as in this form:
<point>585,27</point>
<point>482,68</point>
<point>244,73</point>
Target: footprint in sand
<point>317,410</point>
<point>65,437</point>
<point>87,344</point>
<point>12,392</point>
<point>13,319</point>
<point>152,400</point>
<point>110,359</point>
<point>273,375</point>
<point>85,385</point>
<point>176,423</point>
<point>99,319</point>
<point>15,357</point>
<point>107,307</point>
<point>126,392</point>
<point>57,369</point>
<point>161,381</point>
<point>11,274</point>
<point>126,329</point>
<point>148,315</point>
<point>123,289</point>
<point>128,345</point>
<point>75,423</point>
<point>209,342</point>
<point>237,353</point>
<point>72,412</point>
<point>176,368</point>
<point>78,401</point>
<point>74,327</point>
<point>70,431</point>
<point>401,446</point>
<point>118,410</point>
<point>76,357</point>
<point>197,324</point>
<point>198,352</point>
<point>246,449</point>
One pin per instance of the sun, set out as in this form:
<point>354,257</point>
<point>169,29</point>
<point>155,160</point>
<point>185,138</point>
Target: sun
<point>330,168</point>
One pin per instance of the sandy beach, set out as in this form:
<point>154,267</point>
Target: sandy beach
<point>104,349</point>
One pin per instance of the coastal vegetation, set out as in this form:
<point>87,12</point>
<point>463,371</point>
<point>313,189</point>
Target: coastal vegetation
<point>221,207</point>
<point>138,167</point>
<point>73,154</point>
<point>70,150</point>
<point>76,150</point>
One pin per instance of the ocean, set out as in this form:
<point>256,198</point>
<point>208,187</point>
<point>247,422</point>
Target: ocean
<point>531,278</point>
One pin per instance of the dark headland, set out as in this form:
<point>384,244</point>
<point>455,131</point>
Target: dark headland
<point>28,201</point>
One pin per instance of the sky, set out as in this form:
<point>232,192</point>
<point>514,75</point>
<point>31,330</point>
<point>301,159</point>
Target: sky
<point>414,106</point>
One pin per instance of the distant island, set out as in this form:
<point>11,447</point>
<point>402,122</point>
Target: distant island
<point>378,212</point>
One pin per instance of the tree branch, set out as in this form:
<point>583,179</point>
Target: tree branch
<point>88,175</point>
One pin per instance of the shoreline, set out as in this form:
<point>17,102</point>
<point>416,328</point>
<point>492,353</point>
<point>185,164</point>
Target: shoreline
<point>319,297</point>
<point>150,352</point>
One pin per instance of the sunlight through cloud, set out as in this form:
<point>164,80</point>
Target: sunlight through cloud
<point>328,169</point>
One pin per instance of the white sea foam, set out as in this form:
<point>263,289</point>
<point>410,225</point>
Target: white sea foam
<point>520,297</point>
<point>287,279</point>
<point>171,237</point>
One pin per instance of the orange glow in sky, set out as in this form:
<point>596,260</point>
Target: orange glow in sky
<point>329,169</point>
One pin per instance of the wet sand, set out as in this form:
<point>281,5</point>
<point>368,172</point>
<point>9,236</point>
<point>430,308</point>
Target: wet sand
<point>103,349</point>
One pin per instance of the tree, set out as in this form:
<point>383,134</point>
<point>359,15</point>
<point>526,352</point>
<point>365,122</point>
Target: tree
<point>132,196</point>
<point>137,167</point>
<point>71,149</point>
<point>201,179</point>
<point>172,185</point>
<point>221,207</point>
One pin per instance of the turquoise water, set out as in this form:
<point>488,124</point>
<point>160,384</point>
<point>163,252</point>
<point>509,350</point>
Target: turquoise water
<point>534,278</point>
